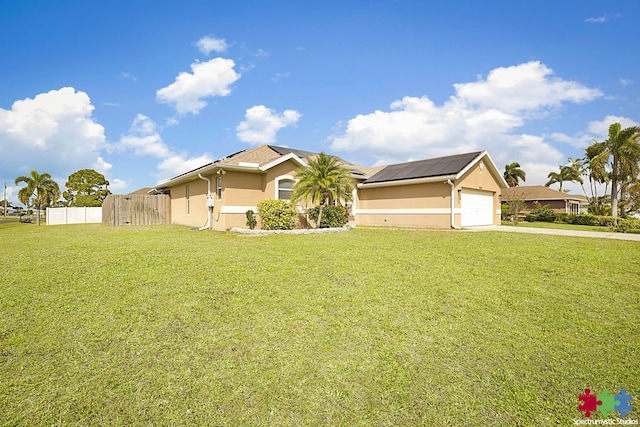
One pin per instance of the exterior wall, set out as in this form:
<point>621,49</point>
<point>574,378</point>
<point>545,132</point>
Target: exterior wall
<point>241,191</point>
<point>481,178</point>
<point>558,206</point>
<point>196,215</point>
<point>416,205</point>
<point>426,205</point>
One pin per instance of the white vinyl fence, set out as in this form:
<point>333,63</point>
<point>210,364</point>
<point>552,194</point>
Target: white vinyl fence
<point>57,216</point>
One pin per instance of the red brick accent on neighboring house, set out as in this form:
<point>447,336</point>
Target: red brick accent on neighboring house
<point>545,196</point>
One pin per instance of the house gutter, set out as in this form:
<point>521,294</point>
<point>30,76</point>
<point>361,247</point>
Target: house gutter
<point>209,202</point>
<point>453,223</point>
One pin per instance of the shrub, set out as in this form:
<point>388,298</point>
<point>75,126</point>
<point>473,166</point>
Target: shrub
<point>251,219</point>
<point>541,214</point>
<point>332,216</point>
<point>565,218</point>
<point>606,221</point>
<point>586,219</point>
<point>277,215</point>
<point>627,225</point>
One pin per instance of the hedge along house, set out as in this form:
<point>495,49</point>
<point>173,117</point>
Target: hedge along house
<point>219,194</point>
<point>453,191</point>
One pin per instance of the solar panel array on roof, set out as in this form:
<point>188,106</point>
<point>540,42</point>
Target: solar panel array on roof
<point>441,166</point>
<point>283,151</point>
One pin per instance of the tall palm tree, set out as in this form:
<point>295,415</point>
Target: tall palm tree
<point>41,187</point>
<point>323,180</point>
<point>623,148</point>
<point>513,173</point>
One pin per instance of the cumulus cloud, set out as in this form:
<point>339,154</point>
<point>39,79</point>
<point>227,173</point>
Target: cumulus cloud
<point>262,124</point>
<point>208,79</point>
<point>481,115</point>
<point>597,129</point>
<point>208,44</point>
<point>143,139</point>
<point>53,132</point>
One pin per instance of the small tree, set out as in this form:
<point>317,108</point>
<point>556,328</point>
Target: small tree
<point>323,181</point>
<point>251,219</point>
<point>515,205</point>
<point>44,191</point>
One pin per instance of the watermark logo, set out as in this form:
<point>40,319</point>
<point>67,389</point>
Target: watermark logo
<point>605,403</point>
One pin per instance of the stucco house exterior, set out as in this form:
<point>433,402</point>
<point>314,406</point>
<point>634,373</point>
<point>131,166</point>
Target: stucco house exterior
<point>538,194</point>
<point>453,191</point>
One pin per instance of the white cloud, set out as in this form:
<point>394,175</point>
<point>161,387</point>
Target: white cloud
<point>101,166</point>
<point>118,185</point>
<point>528,87</point>
<point>262,124</point>
<point>209,79</point>
<point>279,76</point>
<point>482,115</point>
<point>126,76</point>
<point>208,44</point>
<point>625,82</point>
<point>597,129</point>
<point>54,132</point>
<point>598,20</point>
<point>145,140</point>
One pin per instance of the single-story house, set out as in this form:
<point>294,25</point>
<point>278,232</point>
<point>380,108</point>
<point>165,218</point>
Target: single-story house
<point>544,196</point>
<point>452,191</point>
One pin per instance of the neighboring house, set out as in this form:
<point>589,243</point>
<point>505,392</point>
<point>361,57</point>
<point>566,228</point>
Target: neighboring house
<point>537,194</point>
<point>452,191</point>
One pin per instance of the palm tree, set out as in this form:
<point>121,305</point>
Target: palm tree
<point>322,181</point>
<point>565,174</point>
<point>623,148</point>
<point>513,173</point>
<point>42,188</point>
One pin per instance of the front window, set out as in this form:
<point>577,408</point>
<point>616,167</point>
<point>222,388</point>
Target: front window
<point>219,187</point>
<point>574,208</point>
<point>285,188</point>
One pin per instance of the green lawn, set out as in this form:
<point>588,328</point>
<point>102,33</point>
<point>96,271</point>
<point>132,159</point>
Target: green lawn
<point>561,226</point>
<point>168,326</point>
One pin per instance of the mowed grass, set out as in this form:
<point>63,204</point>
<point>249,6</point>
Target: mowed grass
<point>558,226</point>
<point>168,326</point>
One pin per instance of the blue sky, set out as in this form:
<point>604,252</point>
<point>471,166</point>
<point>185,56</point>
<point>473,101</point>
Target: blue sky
<point>145,90</point>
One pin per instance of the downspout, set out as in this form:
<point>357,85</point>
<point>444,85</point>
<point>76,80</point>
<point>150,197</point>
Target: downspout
<point>209,203</point>
<point>453,222</point>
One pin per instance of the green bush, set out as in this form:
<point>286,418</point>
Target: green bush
<point>605,221</point>
<point>586,219</point>
<point>566,218</point>
<point>541,214</point>
<point>277,215</point>
<point>332,216</point>
<point>627,225</point>
<point>251,219</point>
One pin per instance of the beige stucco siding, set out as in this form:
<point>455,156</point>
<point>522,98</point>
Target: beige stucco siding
<point>196,213</point>
<point>240,191</point>
<point>426,204</point>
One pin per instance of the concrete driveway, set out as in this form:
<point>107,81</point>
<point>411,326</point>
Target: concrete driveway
<point>556,232</point>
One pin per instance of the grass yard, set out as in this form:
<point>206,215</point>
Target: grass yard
<point>168,326</point>
<point>559,226</point>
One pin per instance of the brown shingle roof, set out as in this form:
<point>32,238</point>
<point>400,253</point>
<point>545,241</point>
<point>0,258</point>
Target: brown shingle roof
<point>539,192</point>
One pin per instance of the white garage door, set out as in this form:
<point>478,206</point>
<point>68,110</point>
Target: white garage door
<point>477,208</point>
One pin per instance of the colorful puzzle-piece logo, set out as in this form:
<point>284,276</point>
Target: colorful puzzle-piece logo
<point>605,403</point>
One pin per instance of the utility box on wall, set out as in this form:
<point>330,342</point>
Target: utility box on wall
<point>119,209</point>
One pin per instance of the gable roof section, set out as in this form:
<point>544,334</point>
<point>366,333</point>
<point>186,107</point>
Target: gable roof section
<point>539,192</point>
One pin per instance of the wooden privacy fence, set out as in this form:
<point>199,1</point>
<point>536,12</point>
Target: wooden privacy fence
<point>118,209</point>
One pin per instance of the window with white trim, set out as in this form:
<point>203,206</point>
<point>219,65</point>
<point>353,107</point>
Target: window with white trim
<point>219,187</point>
<point>574,208</point>
<point>285,188</point>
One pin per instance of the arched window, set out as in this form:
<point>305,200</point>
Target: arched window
<point>285,187</point>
